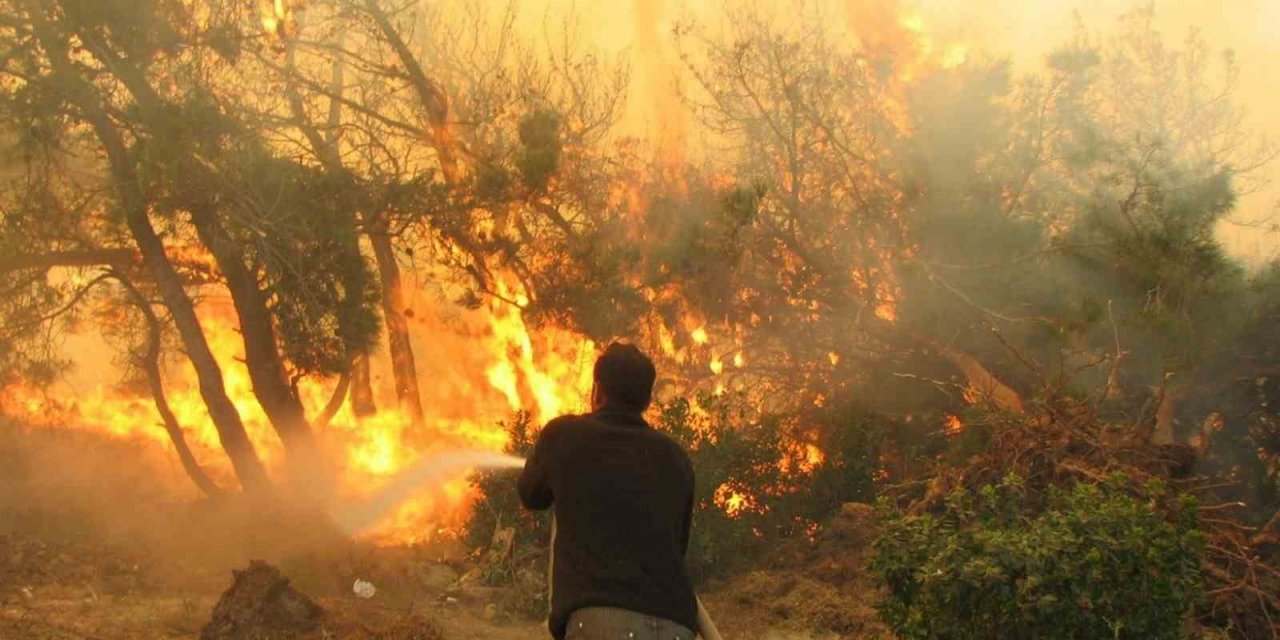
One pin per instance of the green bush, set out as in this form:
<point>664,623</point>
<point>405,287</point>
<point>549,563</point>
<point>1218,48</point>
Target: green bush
<point>1092,562</point>
<point>524,570</point>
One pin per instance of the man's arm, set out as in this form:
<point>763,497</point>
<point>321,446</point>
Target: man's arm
<point>534,484</point>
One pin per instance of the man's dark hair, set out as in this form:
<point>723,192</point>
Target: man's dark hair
<point>625,376</point>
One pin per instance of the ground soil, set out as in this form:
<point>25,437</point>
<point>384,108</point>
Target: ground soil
<point>86,591</point>
<point>56,593</point>
<point>87,553</point>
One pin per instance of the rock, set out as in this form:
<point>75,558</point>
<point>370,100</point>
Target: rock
<point>261,604</point>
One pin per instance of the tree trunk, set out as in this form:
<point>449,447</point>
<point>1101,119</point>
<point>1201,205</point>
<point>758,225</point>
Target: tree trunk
<point>235,441</point>
<point>150,363</point>
<point>362,404</point>
<point>403,366</point>
<point>982,383</point>
<point>335,401</point>
<point>1166,411</point>
<point>262,359</point>
<point>225,416</point>
<point>261,353</point>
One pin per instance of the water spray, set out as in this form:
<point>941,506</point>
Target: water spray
<point>435,468</point>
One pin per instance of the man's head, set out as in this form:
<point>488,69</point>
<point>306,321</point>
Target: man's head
<point>623,378</point>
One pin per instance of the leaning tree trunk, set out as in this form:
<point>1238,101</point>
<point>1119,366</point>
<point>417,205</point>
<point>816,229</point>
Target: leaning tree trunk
<point>261,353</point>
<point>335,401</point>
<point>982,383</point>
<point>262,359</point>
<point>226,419</point>
<point>150,364</point>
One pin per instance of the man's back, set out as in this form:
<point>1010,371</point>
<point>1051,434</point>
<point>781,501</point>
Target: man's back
<point>623,495</point>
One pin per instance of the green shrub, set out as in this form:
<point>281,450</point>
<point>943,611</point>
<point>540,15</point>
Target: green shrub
<point>1094,562</point>
<point>497,508</point>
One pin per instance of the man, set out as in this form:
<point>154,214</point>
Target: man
<point>623,498</point>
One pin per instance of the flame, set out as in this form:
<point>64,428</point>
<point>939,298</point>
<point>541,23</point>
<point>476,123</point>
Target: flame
<point>669,119</point>
<point>813,458</point>
<point>278,18</point>
<point>953,425</point>
<point>699,336</point>
<point>476,369</point>
<point>733,502</point>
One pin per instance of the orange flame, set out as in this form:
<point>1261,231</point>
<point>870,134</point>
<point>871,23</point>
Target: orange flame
<point>480,367</point>
<point>278,18</point>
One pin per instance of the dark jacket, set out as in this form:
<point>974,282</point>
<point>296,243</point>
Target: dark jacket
<point>623,497</point>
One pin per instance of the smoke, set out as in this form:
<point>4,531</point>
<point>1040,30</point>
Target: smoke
<point>357,517</point>
<point>114,502</point>
<point>1024,32</point>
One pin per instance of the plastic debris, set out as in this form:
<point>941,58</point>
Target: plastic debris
<point>363,589</point>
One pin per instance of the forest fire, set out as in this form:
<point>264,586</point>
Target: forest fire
<point>316,274</point>
<point>496,368</point>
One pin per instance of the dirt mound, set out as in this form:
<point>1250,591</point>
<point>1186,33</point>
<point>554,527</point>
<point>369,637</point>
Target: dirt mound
<point>261,604</point>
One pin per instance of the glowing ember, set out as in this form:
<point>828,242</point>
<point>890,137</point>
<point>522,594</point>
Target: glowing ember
<point>813,458</point>
<point>733,502</point>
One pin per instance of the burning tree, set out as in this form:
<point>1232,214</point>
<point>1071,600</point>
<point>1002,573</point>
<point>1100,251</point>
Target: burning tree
<point>136,77</point>
<point>268,196</point>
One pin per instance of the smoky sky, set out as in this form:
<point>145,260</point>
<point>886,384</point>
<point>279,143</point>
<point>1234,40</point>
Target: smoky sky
<point>1025,31</point>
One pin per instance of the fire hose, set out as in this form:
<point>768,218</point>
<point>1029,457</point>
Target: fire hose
<point>706,627</point>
